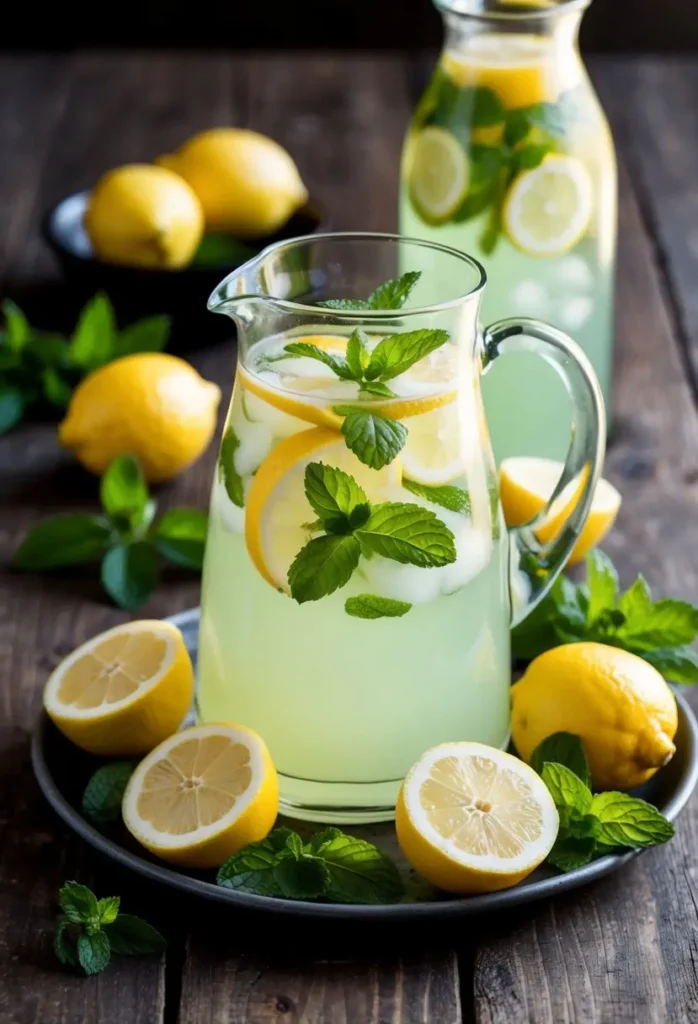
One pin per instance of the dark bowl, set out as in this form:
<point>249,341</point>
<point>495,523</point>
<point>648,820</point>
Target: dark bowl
<point>139,292</point>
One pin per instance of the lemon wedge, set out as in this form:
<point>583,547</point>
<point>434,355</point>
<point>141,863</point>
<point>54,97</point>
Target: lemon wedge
<point>124,691</point>
<point>202,795</point>
<point>526,484</point>
<point>471,818</point>
<point>547,210</point>
<point>439,174</point>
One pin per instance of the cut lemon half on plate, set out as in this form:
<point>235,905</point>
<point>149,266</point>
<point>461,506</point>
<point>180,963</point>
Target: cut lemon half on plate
<point>526,484</point>
<point>471,818</point>
<point>277,507</point>
<point>439,174</point>
<point>202,795</point>
<point>124,691</point>
<point>547,210</point>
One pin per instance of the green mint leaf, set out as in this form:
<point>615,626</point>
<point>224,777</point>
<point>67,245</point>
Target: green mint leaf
<point>132,936</point>
<point>474,204</point>
<point>346,305</point>
<point>667,623</point>
<point>677,664</point>
<point>636,602</point>
<point>374,439</point>
<point>409,534</point>
<point>324,565</point>
<point>300,879</point>
<point>49,349</point>
<point>55,389</point>
<point>569,853</point>
<point>332,492</point>
<point>485,105</point>
<point>398,352</point>
<point>130,573</point>
<point>395,293</point>
<point>123,490</point>
<point>357,356</point>
<point>149,335</point>
<point>63,540</point>
<point>17,329</point>
<point>336,363</point>
<point>64,945</point>
<point>376,389</point>
<point>94,952</point>
<point>553,118</point>
<point>529,157</point>
<point>108,909</point>
<point>294,844</point>
<point>370,606</point>
<point>101,801</point>
<point>602,582</point>
<point>232,481</point>
<point>218,249</point>
<point>455,499</point>
<point>78,903</point>
<point>562,748</point>
<point>358,872</point>
<point>13,402</point>
<point>627,821</point>
<point>485,163</point>
<point>8,360</point>
<point>566,788</point>
<point>252,868</point>
<point>559,618</point>
<point>517,127</point>
<point>94,340</point>
<point>180,536</point>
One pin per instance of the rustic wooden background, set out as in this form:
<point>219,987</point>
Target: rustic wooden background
<point>623,951</point>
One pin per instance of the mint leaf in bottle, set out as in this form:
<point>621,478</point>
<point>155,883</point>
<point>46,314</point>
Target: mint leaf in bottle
<point>344,305</point>
<point>371,606</point>
<point>398,352</point>
<point>332,492</point>
<point>324,565</point>
<point>357,356</point>
<point>562,748</point>
<point>409,534</point>
<point>628,821</point>
<point>374,439</point>
<point>232,481</point>
<point>455,499</point>
<point>101,801</point>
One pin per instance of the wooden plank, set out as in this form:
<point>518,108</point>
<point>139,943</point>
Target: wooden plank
<point>624,949</point>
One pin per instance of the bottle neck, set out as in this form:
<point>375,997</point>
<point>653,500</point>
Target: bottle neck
<point>557,22</point>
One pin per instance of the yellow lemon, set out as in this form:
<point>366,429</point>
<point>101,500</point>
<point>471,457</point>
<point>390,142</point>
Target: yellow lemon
<point>526,483</point>
<point>471,818</point>
<point>617,703</point>
<point>202,795</point>
<point>151,405</point>
<point>124,691</point>
<point>248,184</point>
<point>144,216</point>
<point>547,210</point>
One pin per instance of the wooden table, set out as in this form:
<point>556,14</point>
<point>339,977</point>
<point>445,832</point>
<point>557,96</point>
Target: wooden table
<point>623,951</point>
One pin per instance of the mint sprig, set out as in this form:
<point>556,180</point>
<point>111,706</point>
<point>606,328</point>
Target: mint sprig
<point>455,499</point>
<point>661,632</point>
<point>101,801</point>
<point>89,930</point>
<point>125,537</point>
<point>332,867</point>
<point>374,439</point>
<point>232,481</point>
<point>392,294</point>
<point>371,606</point>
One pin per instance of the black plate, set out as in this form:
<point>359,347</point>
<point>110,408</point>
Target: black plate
<point>62,772</point>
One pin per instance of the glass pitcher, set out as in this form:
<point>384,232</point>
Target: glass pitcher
<point>509,157</point>
<point>356,591</point>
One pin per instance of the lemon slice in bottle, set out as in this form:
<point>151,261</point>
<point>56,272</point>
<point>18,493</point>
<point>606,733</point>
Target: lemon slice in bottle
<point>547,210</point>
<point>439,174</point>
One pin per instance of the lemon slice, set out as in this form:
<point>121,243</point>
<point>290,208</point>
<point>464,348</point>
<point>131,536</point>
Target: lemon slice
<point>277,507</point>
<point>471,818</point>
<point>433,454</point>
<point>306,410</point>
<point>439,174</point>
<point>547,210</point>
<point>526,484</point>
<point>202,795</point>
<point>124,691</point>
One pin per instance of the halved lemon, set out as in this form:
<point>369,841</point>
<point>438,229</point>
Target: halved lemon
<point>439,174</point>
<point>471,818</point>
<point>548,210</point>
<point>124,691</point>
<point>526,484</point>
<point>277,506</point>
<point>202,795</point>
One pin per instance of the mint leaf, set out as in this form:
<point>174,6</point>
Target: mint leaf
<point>370,606</point>
<point>357,353</point>
<point>569,853</point>
<point>398,352</point>
<point>602,582</point>
<point>78,903</point>
<point>130,573</point>
<point>216,249</point>
<point>94,953</point>
<point>374,439</point>
<point>394,294</point>
<point>63,540</point>
<point>455,499</point>
<point>94,340</point>
<point>64,945</point>
<point>17,329</point>
<point>324,565</point>
<point>375,389</point>
<point>636,602</point>
<point>486,107</point>
<point>347,305</point>
<point>101,801</point>
<point>132,936</point>
<point>627,821</point>
<point>358,872</point>
<point>251,869</point>
<point>304,878</point>
<point>12,405</point>
<point>232,481</point>
<point>531,156</point>
<point>180,536</point>
<point>149,335</point>
<point>332,492</point>
<point>562,748</point>
<point>667,623</point>
<point>678,664</point>
<point>409,534</point>
<point>123,490</point>
<point>517,127</point>
<point>336,363</point>
<point>108,909</point>
<point>294,844</point>
<point>55,389</point>
<point>566,788</point>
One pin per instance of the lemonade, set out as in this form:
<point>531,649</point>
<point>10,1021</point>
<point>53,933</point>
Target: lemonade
<point>509,158</point>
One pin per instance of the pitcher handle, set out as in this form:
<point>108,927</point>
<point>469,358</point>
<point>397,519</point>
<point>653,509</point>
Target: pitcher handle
<point>542,562</point>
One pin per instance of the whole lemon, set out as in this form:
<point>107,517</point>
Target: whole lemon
<point>248,184</point>
<point>151,405</point>
<point>144,216</point>
<point>618,704</point>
